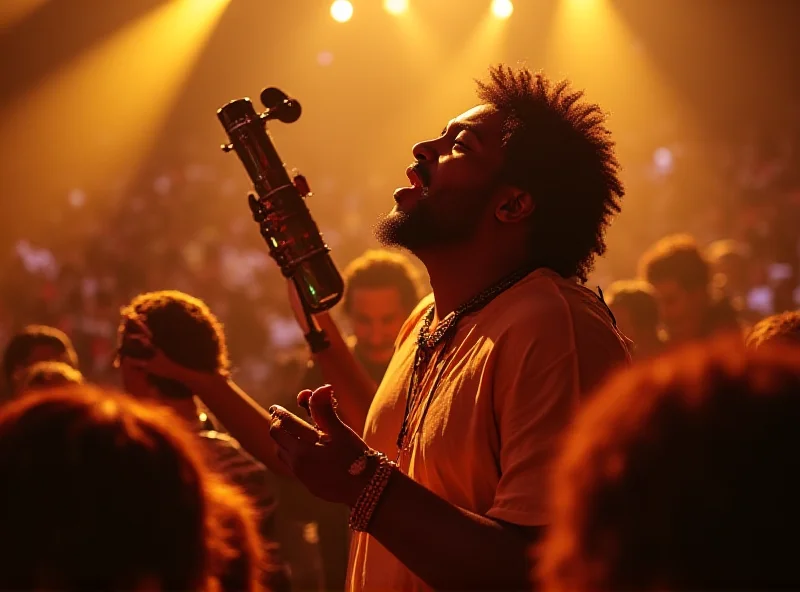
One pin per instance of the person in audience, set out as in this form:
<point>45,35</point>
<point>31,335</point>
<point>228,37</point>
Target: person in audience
<point>782,328</point>
<point>730,266</point>
<point>381,288</point>
<point>635,309</point>
<point>682,474</point>
<point>680,276</point>
<point>35,343</point>
<point>42,375</point>
<point>728,262</point>
<point>101,492</point>
<point>188,332</point>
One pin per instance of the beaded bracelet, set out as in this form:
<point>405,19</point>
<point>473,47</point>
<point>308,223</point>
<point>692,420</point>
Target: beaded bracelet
<point>364,508</point>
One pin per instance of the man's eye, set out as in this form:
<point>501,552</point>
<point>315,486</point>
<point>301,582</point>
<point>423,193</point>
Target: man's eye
<point>461,145</point>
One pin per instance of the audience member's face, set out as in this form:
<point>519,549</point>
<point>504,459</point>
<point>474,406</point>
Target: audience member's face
<point>376,314</point>
<point>681,311</point>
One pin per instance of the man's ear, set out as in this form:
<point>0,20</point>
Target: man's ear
<point>515,206</point>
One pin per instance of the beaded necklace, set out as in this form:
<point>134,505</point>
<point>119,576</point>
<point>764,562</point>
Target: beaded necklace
<point>427,343</point>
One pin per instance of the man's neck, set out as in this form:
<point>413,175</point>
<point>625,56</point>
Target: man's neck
<point>456,277</point>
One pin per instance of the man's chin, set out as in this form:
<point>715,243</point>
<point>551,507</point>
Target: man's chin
<point>396,229</point>
<point>415,226</point>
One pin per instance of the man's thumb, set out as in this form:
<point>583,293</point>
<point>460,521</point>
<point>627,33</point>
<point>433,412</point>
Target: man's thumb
<point>323,410</point>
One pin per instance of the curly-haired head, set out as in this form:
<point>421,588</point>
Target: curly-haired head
<point>559,150</point>
<point>676,258</point>
<point>102,492</point>
<point>378,268</point>
<point>638,299</point>
<point>681,474</point>
<point>182,327</point>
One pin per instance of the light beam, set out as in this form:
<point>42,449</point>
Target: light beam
<point>98,117</point>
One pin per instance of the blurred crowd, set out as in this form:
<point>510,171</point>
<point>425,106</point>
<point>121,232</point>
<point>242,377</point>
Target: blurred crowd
<point>186,226</point>
<point>708,244</point>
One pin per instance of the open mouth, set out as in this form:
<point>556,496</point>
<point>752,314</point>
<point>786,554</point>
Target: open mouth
<point>418,175</point>
<point>420,179</point>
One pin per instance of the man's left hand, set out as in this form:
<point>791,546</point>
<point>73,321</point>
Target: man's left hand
<point>320,456</point>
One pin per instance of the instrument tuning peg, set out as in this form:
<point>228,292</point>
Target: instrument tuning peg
<point>301,184</point>
<point>226,147</point>
<point>256,208</point>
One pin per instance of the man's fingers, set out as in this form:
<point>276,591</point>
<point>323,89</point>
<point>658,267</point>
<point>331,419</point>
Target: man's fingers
<point>291,433</point>
<point>323,411</point>
<point>140,325</point>
<point>303,397</point>
<point>143,340</point>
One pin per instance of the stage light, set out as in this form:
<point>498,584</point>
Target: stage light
<point>341,11</point>
<point>663,160</point>
<point>502,8</point>
<point>395,6</point>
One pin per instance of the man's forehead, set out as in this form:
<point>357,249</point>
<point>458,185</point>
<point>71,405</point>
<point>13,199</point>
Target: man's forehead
<point>484,121</point>
<point>478,114</point>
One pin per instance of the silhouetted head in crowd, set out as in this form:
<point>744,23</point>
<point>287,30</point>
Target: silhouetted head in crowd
<point>35,343</point>
<point>680,275</point>
<point>183,328</point>
<point>778,329</point>
<point>635,309</point>
<point>682,474</point>
<point>381,290</point>
<point>43,375</point>
<point>729,261</point>
<point>101,492</point>
<point>528,174</point>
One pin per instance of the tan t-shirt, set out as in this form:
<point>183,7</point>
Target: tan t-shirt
<point>512,379</point>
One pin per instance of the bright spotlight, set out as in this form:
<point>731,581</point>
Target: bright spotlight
<point>502,8</point>
<point>395,6</point>
<point>341,11</point>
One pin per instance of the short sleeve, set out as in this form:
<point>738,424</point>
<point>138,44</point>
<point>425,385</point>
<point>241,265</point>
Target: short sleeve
<point>535,394</point>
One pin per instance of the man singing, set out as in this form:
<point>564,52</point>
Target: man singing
<point>507,208</point>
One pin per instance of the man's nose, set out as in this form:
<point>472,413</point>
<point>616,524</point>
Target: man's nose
<point>425,151</point>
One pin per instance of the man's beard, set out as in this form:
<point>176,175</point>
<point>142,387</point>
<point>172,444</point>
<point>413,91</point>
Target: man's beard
<point>424,227</point>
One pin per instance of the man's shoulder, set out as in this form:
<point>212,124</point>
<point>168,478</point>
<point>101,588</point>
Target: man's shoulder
<point>547,307</point>
<point>544,298</point>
